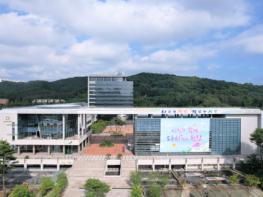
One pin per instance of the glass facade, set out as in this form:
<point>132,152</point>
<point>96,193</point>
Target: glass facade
<point>147,136</point>
<point>110,91</point>
<point>71,127</point>
<point>224,136</point>
<point>39,126</point>
<point>46,126</point>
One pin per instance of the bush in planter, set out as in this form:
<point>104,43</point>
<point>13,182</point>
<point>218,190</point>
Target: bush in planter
<point>20,191</point>
<point>252,180</point>
<point>234,179</point>
<point>154,190</point>
<point>136,178</point>
<point>108,156</point>
<point>136,191</point>
<point>60,185</point>
<point>119,155</point>
<point>96,188</point>
<point>46,185</point>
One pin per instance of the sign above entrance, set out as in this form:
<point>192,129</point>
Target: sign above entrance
<point>186,111</point>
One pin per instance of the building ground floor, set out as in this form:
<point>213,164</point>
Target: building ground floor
<point>48,147</point>
<point>122,166</point>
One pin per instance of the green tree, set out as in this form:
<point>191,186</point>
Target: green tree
<point>20,191</point>
<point>257,138</point>
<point>60,185</point>
<point>163,181</point>
<point>135,178</point>
<point>234,179</point>
<point>106,143</point>
<point>46,185</point>
<point>154,190</point>
<point>96,188</point>
<point>136,191</point>
<point>252,180</point>
<point>99,126</point>
<point>6,161</point>
<point>154,177</point>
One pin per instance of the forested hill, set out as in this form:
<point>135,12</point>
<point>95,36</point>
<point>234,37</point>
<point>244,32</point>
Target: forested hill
<point>149,90</point>
<point>170,90</point>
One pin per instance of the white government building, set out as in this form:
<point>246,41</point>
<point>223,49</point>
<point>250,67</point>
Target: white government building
<point>173,138</point>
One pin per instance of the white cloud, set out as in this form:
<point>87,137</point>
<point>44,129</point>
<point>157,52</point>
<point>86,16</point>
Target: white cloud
<point>174,61</point>
<point>251,40</point>
<point>143,21</point>
<point>31,30</point>
<point>93,57</point>
<point>42,42</point>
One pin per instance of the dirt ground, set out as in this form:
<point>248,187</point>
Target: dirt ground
<point>95,149</point>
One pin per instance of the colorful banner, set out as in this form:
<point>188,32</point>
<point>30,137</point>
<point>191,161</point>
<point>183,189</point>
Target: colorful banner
<point>185,135</point>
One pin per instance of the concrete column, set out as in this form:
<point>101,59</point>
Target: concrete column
<point>18,150</point>
<point>202,164</point>
<point>25,166</point>
<point>153,165</point>
<point>170,164</point>
<point>63,126</point>
<point>186,168</point>
<point>48,150</point>
<point>79,148</point>
<point>58,167</point>
<point>41,166</point>
<point>234,163</point>
<point>64,149</point>
<point>34,149</point>
<point>79,125</point>
<point>83,145</point>
<point>218,163</point>
<point>136,164</point>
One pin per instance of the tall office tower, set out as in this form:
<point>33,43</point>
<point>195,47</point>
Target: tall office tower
<point>110,91</point>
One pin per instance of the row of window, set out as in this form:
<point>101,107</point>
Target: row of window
<point>225,135</point>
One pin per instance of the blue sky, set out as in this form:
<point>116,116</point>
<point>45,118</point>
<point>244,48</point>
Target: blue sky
<point>219,39</point>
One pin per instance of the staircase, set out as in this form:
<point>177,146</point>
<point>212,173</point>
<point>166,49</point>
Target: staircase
<point>82,170</point>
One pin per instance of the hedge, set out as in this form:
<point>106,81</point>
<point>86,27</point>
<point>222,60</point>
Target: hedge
<point>60,185</point>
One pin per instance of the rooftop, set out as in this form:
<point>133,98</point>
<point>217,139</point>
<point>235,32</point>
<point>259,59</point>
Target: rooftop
<point>83,108</point>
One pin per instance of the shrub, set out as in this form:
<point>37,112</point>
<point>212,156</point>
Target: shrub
<point>106,143</point>
<point>119,155</point>
<point>252,180</point>
<point>118,121</point>
<point>163,181</point>
<point>154,190</point>
<point>60,185</point>
<point>96,188</point>
<point>20,191</point>
<point>234,179</point>
<point>136,191</point>
<point>108,155</point>
<point>46,185</point>
<point>135,178</point>
<point>99,126</point>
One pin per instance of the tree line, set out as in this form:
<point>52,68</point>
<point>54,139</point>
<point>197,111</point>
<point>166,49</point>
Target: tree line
<point>149,90</point>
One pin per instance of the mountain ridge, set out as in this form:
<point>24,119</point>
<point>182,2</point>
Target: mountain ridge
<point>150,89</point>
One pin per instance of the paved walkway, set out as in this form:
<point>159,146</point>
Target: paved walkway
<point>94,167</point>
<point>119,193</point>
